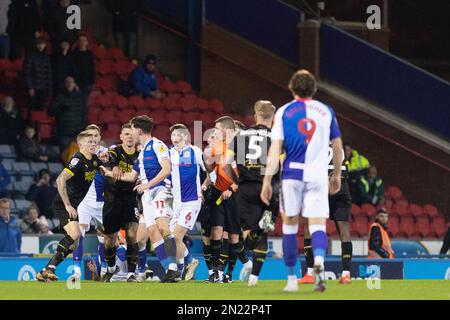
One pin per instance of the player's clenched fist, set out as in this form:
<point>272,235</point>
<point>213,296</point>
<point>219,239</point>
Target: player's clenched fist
<point>266,193</point>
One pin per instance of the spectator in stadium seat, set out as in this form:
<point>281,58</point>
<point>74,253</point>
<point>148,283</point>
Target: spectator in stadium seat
<point>43,193</point>
<point>5,42</point>
<point>70,109</point>
<point>31,149</point>
<point>370,188</point>
<point>379,241</point>
<point>11,121</point>
<point>10,235</point>
<point>30,224</point>
<point>23,27</point>
<point>43,227</point>
<point>83,67</point>
<point>143,79</point>
<point>38,75</point>
<point>357,165</point>
<point>125,20</point>
<point>57,24</point>
<point>5,180</point>
<point>61,64</point>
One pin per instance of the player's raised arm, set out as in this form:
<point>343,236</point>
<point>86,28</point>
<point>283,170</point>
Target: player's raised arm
<point>127,177</point>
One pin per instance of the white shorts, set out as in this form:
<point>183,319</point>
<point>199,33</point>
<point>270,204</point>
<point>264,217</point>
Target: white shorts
<point>88,210</point>
<point>157,204</point>
<point>185,214</point>
<point>308,198</point>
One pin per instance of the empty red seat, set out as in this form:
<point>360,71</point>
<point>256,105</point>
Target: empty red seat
<point>116,53</point>
<point>400,209</point>
<point>105,101</point>
<point>124,67</point>
<point>369,209</point>
<point>120,102</point>
<point>356,210</point>
<point>430,210</point>
<point>108,116</point>
<point>108,83</point>
<point>170,104</point>
<point>438,226</point>
<point>394,192</point>
<point>415,210</point>
<point>175,95</point>
<point>393,226</point>
<point>167,86</point>
<point>407,226</point>
<point>93,115</point>
<point>101,53</point>
<point>175,117</point>
<point>331,228</point>
<point>41,117</point>
<point>136,102</point>
<point>422,227</point>
<point>187,104</point>
<point>45,131</point>
<point>183,87</point>
<point>217,106</point>
<point>203,105</point>
<point>153,103</point>
<point>6,64</point>
<point>105,67</point>
<point>126,115</point>
<point>190,118</point>
<point>361,225</point>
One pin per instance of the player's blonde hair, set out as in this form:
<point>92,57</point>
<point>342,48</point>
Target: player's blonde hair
<point>82,135</point>
<point>265,109</point>
<point>227,122</point>
<point>93,127</point>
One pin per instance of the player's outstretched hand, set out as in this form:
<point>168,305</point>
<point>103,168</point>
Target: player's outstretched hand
<point>72,212</point>
<point>335,184</point>
<point>266,193</point>
<point>116,173</point>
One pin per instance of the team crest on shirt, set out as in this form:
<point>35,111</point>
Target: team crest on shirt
<point>187,154</point>
<point>74,162</point>
<point>148,148</point>
<point>162,149</point>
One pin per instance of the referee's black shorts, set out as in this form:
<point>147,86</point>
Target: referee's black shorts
<point>119,211</point>
<point>224,213</point>
<point>341,203</point>
<point>204,217</point>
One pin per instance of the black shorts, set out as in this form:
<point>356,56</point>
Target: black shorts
<point>118,212</point>
<point>204,217</point>
<point>250,206</point>
<point>225,213</point>
<point>61,213</point>
<point>341,203</point>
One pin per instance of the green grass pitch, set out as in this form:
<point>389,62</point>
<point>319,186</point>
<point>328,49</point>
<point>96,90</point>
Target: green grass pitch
<point>266,290</point>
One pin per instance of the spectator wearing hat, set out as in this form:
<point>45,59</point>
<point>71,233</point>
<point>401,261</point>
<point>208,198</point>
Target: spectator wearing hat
<point>43,193</point>
<point>38,75</point>
<point>143,79</point>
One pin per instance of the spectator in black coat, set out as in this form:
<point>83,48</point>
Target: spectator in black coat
<point>30,148</point>
<point>61,65</point>
<point>11,122</point>
<point>23,28</point>
<point>38,75</point>
<point>125,22</point>
<point>83,70</point>
<point>43,193</point>
<point>57,24</point>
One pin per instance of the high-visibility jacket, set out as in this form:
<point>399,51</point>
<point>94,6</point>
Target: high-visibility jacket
<point>385,242</point>
<point>357,162</point>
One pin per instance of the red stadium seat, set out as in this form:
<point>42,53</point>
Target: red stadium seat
<point>45,131</point>
<point>124,67</point>
<point>184,87</point>
<point>217,106</point>
<point>369,209</point>
<point>407,226</point>
<point>438,226</point>
<point>331,228</point>
<point>175,117</point>
<point>394,192</point>
<point>108,116</point>
<point>430,210</point>
<point>170,104</point>
<point>175,95</point>
<point>393,226</point>
<point>6,64</point>
<point>101,53</point>
<point>168,86</point>
<point>125,115</point>
<point>136,102</point>
<point>422,227</point>
<point>105,67</point>
<point>105,101</point>
<point>415,210</point>
<point>160,117</point>
<point>361,225</point>
<point>93,114</point>
<point>116,53</point>
<point>41,117</point>
<point>107,83</point>
<point>203,105</point>
<point>120,102</point>
<point>188,104</point>
<point>400,210</point>
<point>356,210</point>
<point>154,104</point>
<point>190,118</point>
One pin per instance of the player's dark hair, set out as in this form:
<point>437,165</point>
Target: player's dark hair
<point>126,126</point>
<point>178,126</point>
<point>303,84</point>
<point>82,135</point>
<point>145,123</point>
<point>382,210</point>
<point>227,122</point>
<point>93,127</point>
